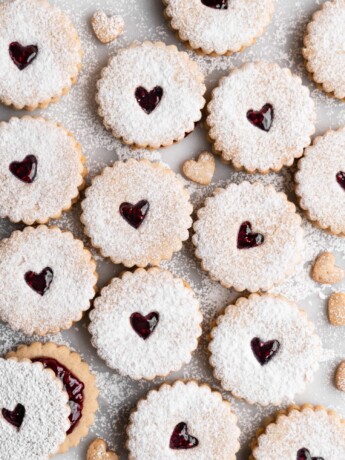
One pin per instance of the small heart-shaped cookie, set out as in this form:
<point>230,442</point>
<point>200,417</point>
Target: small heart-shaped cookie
<point>325,271</point>
<point>98,451</point>
<point>107,28</point>
<point>200,171</point>
<point>336,309</point>
<point>340,377</point>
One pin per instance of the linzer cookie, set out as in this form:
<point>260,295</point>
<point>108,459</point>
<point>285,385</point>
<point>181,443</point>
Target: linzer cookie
<point>34,411</point>
<point>320,182</point>
<point>146,324</point>
<point>261,117</point>
<point>219,27</point>
<point>77,380</point>
<point>267,340</point>
<point>302,433</point>
<point>248,236</point>
<point>40,55</point>
<point>183,420</point>
<point>324,49</point>
<point>137,213</point>
<point>151,95</point>
<point>47,280</point>
<point>41,170</point>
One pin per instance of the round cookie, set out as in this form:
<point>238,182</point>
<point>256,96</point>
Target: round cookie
<point>34,411</point>
<point>146,324</point>
<point>40,53</point>
<point>267,340</point>
<point>248,237</point>
<point>324,49</point>
<point>78,382</point>
<point>47,280</point>
<point>151,95</point>
<point>137,213</point>
<point>320,182</point>
<point>183,420</point>
<point>41,170</point>
<point>260,118</point>
<point>302,433</point>
<point>219,27</point>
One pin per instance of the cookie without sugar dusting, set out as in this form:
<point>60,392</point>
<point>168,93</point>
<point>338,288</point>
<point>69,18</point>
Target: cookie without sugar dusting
<point>201,170</point>
<point>336,309</point>
<point>98,450</point>
<point>325,271</point>
<point>340,377</point>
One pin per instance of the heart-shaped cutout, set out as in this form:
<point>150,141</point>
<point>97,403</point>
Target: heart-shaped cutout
<point>340,177</point>
<point>202,170</point>
<point>336,309</point>
<point>144,325</point>
<point>40,282</point>
<point>148,100</point>
<point>304,454</point>
<point>135,214</point>
<point>325,271</point>
<point>21,55</point>
<point>98,450</point>
<point>264,351</point>
<point>247,239</point>
<point>25,170</point>
<point>216,4</point>
<point>107,28</point>
<point>263,118</point>
<point>16,416</point>
<point>181,439</point>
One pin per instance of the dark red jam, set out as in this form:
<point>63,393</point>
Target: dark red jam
<point>181,439</point>
<point>264,351</point>
<point>304,454</point>
<point>247,239</point>
<point>340,176</point>
<point>135,214</point>
<point>144,325</point>
<point>216,4</point>
<point>16,416</point>
<point>40,282</point>
<point>73,386</point>
<point>25,170</point>
<point>148,100</point>
<point>22,56</point>
<point>263,118</point>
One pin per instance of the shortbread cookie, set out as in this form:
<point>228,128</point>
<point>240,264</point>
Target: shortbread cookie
<point>151,95</point>
<point>248,236</point>
<point>183,420</point>
<point>219,27</point>
<point>34,411</point>
<point>41,170</point>
<point>201,170</point>
<point>40,53</point>
<point>47,279</point>
<point>267,340</point>
<point>107,28</point>
<point>325,271</point>
<point>137,213</point>
<point>324,50</point>
<point>261,117</point>
<point>340,377</point>
<point>78,382</point>
<point>320,182</point>
<point>302,433</point>
<point>146,324</point>
<point>98,450</point>
<point>336,309</point>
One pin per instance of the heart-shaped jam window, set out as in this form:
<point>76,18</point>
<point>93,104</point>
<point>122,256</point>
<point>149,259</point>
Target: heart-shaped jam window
<point>25,170</point>
<point>40,282</point>
<point>21,55</point>
<point>263,118</point>
<point>148,100</point>
<point>144,325</point>
<point>181,439</point>
<point>135,214</point>
<point>216,4</point>
<point>247,239</point>
<point>340,176</point>
<point>304,454</point>
<point>16,416</point>
<point>264,351</point>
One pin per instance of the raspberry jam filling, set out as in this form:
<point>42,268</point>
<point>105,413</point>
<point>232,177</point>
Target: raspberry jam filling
<point>21,55</point>
<point>40,282</point>
<point>148,100</point>
<point>16,416</point>
<point>340,176</point>
<point>264,351</point>
<point>263,118</point>
<point>216,4</point>
<point>304,454</point>
<point>181,439</point>
<point>25,170</point>
<point>247,239</point>
<point>73,386</point>
<point>144,325</point>
<point>135,214</point>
